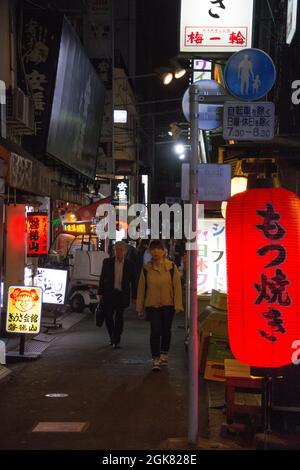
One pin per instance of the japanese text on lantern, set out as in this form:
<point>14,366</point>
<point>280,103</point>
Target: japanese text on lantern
<point>272,289</point>
<point>37,234</point>
<point>24,310</point>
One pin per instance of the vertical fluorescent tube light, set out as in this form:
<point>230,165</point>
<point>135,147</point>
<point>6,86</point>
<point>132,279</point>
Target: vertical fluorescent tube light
<point>145,183</point>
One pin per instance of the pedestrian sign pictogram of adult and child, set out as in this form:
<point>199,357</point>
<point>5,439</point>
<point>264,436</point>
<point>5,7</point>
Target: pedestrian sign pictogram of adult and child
<point>249,74</point>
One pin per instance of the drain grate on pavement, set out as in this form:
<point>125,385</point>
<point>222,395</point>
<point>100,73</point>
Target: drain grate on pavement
<point>36,346</point>
<point>133,361</point>
<point>48,426</point>
<point>44,338</point>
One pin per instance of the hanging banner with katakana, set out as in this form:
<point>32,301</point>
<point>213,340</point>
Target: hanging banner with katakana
<point>24,306</point>
<point>211,260</point>
<point>37,234</point>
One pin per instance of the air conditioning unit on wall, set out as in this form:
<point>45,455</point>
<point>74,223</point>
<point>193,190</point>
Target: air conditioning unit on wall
<point>20,112</point>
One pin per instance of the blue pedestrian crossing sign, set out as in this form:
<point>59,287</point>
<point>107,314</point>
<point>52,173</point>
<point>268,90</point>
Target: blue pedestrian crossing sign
<point>249,74</point>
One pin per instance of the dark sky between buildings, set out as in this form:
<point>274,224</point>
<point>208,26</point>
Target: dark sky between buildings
<point>157,43</point>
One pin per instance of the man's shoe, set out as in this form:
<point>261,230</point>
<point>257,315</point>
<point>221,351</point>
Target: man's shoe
<point>164,359</point>
<point>117,346</point>
<point>156,364</point>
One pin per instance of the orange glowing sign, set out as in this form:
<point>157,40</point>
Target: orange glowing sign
<point>37,233</point>
<point>24,309</point>
<point>78,227</point>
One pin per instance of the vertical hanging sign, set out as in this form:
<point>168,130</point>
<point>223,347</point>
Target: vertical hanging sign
<point>120,192</point>
<point>211,258</point>
<point>37,234</point>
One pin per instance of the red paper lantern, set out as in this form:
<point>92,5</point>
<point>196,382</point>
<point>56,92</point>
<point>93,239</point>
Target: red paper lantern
<point>263,268</point>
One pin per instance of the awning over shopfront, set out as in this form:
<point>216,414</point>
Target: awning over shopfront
<point>89,211</point>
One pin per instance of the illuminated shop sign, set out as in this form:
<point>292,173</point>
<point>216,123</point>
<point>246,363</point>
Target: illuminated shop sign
<point>211,260</point>
<point>262,245</point>
<point>24,309</point>
<point>37,234</point>
<point>53,282</point>
<point>215,25</point>
<point>80,227</point>
<point>120,191</point>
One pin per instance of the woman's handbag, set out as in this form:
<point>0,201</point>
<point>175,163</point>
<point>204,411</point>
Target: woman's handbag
<point>100,314</point>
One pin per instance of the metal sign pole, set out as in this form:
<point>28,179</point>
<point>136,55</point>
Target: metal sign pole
<point>198,94</point>
<point>193,337</point>
<point>22,345</point>
<point>187,298</point>
<point>3,109</point>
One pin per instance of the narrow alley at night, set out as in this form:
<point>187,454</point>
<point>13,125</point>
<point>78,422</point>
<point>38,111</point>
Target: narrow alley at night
<point>149,230</point>
<point>112,393</point>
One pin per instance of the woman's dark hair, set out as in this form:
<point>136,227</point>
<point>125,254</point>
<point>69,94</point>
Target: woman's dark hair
<point>156,244</point>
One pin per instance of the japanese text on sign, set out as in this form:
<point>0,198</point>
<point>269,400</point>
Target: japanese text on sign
<point>82,227</point>
<point>36,43</point>
<point>211,260</point>
<point>220,5</point>
<point>248,121</point>
<point>272,289</point>
<point>37,234</point>
<point>120,191</point>
<point>24,310</point>
<point>53,282</point>
<point>211,36</point>
<point>215,25</point>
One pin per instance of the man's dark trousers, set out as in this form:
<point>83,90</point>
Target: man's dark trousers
<point>116,301</point>
<point>114,311</point>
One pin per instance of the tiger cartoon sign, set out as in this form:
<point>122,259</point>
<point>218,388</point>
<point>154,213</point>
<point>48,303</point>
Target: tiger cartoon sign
<point>24,309</point>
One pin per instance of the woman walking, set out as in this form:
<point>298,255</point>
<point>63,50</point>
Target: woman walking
<point>160,295</point>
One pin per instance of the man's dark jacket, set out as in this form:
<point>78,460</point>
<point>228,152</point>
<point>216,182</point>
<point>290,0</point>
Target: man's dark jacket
<point>107,281</point>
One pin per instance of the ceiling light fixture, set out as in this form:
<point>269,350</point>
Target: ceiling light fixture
<point>179,72</point>
<point>167,78</point>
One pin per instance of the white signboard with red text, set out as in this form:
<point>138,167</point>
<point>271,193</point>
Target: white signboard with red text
<point>215,25</point>
<point>211,256</point>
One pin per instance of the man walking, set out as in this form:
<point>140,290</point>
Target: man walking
<point>118,278</point>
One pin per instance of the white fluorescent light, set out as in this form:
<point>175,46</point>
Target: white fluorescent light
<point>120,116</point>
